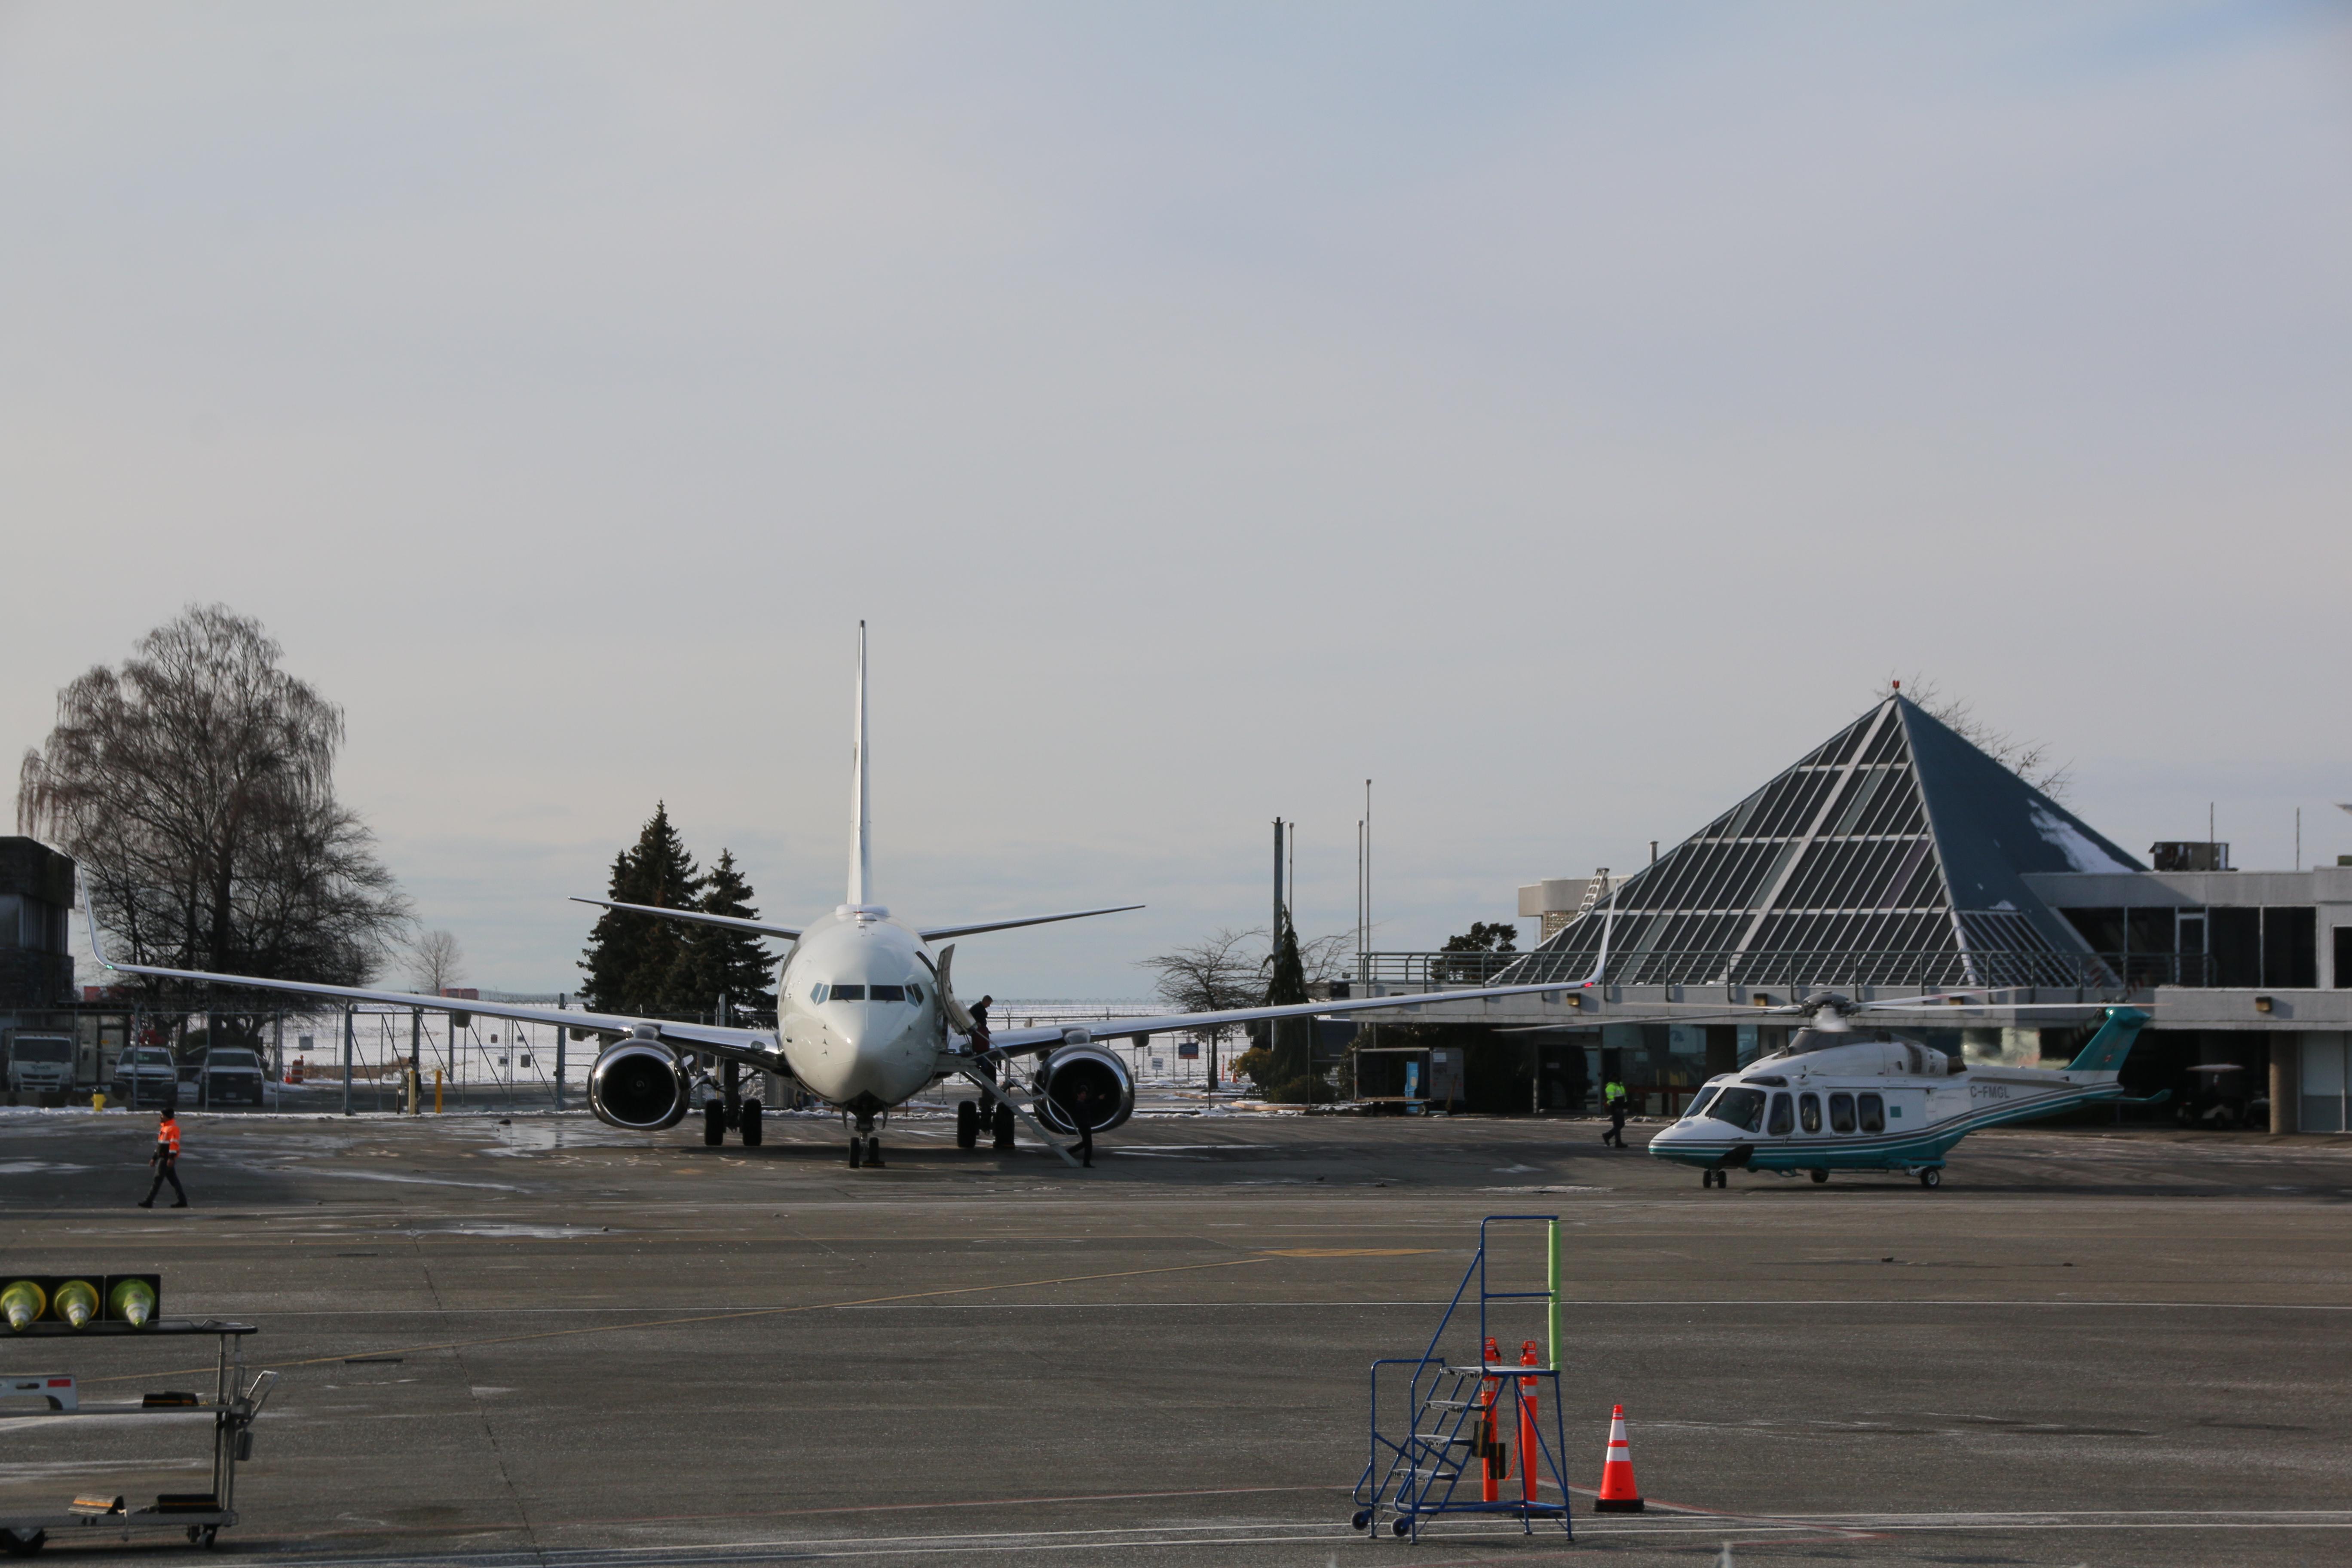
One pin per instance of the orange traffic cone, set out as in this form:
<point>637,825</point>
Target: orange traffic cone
<point>1618,1492</point>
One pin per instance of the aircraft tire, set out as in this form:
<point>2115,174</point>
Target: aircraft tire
<point>1820,1176</point>
<point>856,1151</point>
<point>874,1151</point>
<point>966,1124</point>
<point>1002,1127</point>
<point>751,1124</point>
<point>714,1124</point>
<point>1931,1178</point>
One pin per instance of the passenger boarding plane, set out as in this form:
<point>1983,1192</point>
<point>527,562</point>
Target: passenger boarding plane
<point>866,1016</point>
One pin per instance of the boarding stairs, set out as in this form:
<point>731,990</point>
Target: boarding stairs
<point>1470,1436</point>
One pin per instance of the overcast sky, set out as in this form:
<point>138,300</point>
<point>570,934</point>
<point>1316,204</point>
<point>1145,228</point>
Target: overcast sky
<point>1564,415</point>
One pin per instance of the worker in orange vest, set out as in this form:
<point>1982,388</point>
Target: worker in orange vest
<point>166,1160</point>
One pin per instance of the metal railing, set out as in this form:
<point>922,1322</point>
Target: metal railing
<point>1796,970</point>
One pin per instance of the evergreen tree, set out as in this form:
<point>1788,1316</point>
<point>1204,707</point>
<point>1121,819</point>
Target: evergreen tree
<point>1290,1040</point>
<point>732,963</point>
<point>642,964</point>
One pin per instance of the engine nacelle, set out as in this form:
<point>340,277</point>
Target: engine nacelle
<point>1088,1067</point>
<point>640,1085</point>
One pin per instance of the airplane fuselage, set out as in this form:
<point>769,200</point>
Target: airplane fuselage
<point>859,1014</point>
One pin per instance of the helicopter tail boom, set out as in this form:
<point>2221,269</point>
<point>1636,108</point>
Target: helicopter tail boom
<point>2105,1051</point>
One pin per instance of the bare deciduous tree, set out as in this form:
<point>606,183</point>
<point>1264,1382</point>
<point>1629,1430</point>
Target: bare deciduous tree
<point>195,787</point>
<point>436,962</point>
<point>2029,760</point>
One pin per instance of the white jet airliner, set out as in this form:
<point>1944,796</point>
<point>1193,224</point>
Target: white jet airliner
<point>867,1018</point>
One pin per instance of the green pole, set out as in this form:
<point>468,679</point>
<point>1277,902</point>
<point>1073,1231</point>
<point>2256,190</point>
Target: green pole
<point>1551,1283</point>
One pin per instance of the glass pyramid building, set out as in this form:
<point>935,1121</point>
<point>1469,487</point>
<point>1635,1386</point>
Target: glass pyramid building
<point>1893,854</point>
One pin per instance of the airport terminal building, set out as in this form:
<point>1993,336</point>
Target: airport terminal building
<point>1898,857</point>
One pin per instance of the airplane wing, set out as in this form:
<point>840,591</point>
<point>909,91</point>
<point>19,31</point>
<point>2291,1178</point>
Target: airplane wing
<point>934,933</point>
<point>1018,1042</point>
<point>732,922</point>
<point>755,1046</point>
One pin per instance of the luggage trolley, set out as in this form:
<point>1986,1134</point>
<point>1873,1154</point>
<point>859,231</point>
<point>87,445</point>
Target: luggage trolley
<point>234,1404</point>
<point>1461,1418</point>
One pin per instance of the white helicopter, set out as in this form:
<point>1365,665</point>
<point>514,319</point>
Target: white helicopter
<point>1841,1098</point>
<point>864,1018</point>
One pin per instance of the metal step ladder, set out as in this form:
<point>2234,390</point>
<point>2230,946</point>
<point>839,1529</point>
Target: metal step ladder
<point>1443,1423</point>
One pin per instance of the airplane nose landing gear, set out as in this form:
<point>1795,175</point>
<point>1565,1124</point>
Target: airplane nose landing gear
<point>865,1143</point>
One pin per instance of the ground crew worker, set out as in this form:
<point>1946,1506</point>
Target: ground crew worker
<point>1613,1092</point>
<point>1082,1113</point>
<point>165,1158</point>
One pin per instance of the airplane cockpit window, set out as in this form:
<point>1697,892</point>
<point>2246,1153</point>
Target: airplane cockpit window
<point>914,992</point>
<point>849,992</point>
<point>886,993</point>
<point>1808,1112</point>
<point>1782,1121</point>
<point>1840,1113</point>
<point>817,993</point>
<point>1873,1113</point>
<point>1698,1107</point>
<point>1743,1108</point>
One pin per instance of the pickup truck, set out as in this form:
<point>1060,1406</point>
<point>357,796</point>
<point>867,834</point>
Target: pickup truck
<point>40,1064</point>
<point>222,1075</point>
<point>145,1076</point>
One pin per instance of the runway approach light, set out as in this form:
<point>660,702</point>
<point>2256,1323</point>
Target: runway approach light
<point>23,1302</point>
<point>75,1301</point>
<point>132,1301</point>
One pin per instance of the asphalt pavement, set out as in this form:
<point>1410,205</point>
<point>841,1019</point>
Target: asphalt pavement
<point>539,1340</point>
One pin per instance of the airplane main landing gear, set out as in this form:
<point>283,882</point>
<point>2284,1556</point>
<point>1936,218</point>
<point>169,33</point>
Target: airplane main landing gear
<point>1001,1126</point>
<point>750,1120</point>
<point>966,1124</point>
<point>714,1124</point>
<point>1714,1179</point>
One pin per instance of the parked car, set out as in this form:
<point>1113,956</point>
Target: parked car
<point>222,1075</point>
<point>40,1064</point>
<point>145,1076</point>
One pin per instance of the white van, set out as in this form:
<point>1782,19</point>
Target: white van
<point>40,1064</point>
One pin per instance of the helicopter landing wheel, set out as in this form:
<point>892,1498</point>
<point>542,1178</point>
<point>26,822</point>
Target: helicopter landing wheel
<point>1931,1178</point>
<point>1820,1176</point>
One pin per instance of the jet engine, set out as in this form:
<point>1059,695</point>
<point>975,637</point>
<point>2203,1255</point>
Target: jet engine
<point>1084,1066</point>
<point>638,1084</point>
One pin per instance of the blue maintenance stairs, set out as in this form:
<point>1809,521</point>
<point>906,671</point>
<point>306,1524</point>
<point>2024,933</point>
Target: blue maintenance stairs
<point>1439,1426</point>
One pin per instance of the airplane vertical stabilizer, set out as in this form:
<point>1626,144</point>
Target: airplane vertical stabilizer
<point>861,821</point>
<point>2106,1049</point>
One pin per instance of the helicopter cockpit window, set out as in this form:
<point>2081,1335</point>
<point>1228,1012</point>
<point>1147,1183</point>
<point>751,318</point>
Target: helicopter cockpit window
<point>1873,1113</point>
<point>1743,1108</point>
<point>1840,1113</point>
<point>1782,1121</point>
<point>1808,1112</point>
<point>1698,1107</point>
<point>886,993</point>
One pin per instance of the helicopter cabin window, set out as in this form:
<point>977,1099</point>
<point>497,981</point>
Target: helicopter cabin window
<point>1706,1097</point>
<point>1743,1108</point>
<point>1873,1113</point>
<point>886,993</point>
<point>1782,1121</point>
<point>1840,1113</point>
<point>849,992</point>
<point>1808,1112</point>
